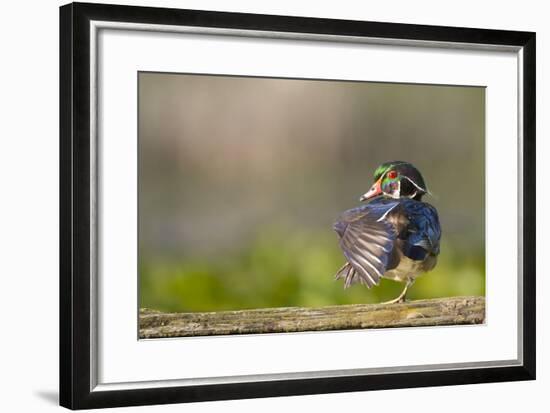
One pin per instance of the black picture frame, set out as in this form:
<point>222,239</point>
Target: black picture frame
<point>75,219</point>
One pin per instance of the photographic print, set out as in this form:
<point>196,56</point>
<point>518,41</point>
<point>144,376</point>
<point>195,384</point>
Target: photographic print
<point>283,205</point>
<point>323,191</point>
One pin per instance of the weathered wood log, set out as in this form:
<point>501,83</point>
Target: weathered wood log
<point>435,312</point>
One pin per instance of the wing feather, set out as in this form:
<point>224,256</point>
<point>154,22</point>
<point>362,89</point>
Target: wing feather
<point>423,232</point>
<point>366,238</point>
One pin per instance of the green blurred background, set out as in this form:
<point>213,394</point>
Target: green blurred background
<point>241,178</point>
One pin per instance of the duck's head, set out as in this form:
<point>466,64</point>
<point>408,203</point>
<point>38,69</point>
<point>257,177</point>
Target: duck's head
<point>397,179</point>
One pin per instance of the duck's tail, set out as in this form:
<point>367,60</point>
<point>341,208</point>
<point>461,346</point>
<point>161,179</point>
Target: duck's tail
<point>351,276</point>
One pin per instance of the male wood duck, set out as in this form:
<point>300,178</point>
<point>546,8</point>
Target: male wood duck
<point>394,235</point>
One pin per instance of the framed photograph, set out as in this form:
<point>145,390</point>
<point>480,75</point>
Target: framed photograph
<point>257,206</point>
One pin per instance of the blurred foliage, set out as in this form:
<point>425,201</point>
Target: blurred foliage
<point>285,268</point>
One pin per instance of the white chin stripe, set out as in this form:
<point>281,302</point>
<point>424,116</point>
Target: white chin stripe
<point>397,193</point>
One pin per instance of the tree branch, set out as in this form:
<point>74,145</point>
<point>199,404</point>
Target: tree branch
<point>435,312</point>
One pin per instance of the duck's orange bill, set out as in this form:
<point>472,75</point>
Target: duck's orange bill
<point>375,190</point>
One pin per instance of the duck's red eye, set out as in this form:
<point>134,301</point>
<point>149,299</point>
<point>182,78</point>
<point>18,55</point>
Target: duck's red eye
<point>392,174</point>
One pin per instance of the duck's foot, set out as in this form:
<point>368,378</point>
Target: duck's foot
<point>401,298</point>
<point>396,300</point>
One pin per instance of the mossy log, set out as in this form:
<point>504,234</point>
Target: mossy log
<point>435,312</point>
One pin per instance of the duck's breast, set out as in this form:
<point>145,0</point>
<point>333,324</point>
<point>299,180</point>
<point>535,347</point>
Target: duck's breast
<point>406,269</point>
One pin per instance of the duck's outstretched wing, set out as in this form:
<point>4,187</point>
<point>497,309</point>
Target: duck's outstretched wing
<point>367,240</point>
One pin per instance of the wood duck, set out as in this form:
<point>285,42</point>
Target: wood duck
<point>394,235</point>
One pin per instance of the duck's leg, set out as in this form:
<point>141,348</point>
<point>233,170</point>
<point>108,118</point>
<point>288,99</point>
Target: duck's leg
<point>401,297</point>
